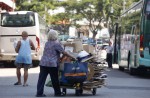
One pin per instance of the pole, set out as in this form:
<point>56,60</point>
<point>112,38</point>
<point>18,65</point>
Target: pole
<point>115,45</point>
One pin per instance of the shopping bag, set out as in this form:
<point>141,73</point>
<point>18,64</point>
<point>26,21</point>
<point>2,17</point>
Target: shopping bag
<point>75,72</point>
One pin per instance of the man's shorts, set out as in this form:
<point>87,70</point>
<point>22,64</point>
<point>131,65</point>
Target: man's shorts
<point>22,65</point>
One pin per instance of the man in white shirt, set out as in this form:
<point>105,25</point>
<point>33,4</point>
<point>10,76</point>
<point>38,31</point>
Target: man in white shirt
<point>109,50</point>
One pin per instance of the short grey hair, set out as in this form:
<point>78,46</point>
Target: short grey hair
<point>52,35</point>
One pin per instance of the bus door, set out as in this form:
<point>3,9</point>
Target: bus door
<point>124,50</point>
<point>134,45</point>
<point>145,36</point>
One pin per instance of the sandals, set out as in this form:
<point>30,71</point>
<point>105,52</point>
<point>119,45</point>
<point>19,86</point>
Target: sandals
<point>25,85</point>
<point>17,83</point>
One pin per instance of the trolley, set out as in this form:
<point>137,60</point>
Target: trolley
<point>96,78</point>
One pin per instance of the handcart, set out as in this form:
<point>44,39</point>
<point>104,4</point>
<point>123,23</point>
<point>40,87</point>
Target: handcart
<point>95,78</point>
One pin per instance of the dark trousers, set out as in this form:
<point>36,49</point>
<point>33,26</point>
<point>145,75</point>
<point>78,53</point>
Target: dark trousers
<point>44,71</point>
<point>109,60</point>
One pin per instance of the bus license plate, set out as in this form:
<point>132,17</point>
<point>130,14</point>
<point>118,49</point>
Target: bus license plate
<point>12,39</point>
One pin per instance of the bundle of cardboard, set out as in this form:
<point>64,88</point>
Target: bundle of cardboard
<point>76,46</point>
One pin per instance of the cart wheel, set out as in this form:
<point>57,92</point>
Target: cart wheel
<point>81,91</point>
<point>64,90</point>
<point>77,92</point>
<point>94,91</point>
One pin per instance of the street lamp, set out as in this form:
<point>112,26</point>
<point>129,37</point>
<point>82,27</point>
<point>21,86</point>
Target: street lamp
<point>115,40</point>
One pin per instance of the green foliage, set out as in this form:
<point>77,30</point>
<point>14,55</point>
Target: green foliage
<point>91,10</point>
<point>40,6</point>
<point>130,20</point>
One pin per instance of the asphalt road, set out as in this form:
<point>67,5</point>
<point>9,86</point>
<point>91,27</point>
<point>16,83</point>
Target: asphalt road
<point>118,85</point>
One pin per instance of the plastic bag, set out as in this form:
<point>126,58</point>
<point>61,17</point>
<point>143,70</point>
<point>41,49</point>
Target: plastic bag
<point>75,72</point>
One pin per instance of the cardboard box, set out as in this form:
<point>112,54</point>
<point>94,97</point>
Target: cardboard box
<point>76,45</point>
<point>69,46</point>
<point>89,48</point>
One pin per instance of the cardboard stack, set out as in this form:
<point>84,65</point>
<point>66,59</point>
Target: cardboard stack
<point>89,48</point>
<point>96,78</point>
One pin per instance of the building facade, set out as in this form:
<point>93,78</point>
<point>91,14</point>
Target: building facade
<point>7,5</point>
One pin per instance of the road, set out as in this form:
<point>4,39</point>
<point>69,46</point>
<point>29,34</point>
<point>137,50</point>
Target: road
<point>118,85</point>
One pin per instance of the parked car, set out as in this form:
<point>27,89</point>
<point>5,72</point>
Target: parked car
<point>63,37</point>
<point>89,41</point>
<point>71,39</point>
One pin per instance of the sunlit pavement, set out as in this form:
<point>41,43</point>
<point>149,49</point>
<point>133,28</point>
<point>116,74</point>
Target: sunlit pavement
<point>12,71</point>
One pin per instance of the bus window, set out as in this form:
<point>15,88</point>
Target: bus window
<point>0,20</point>
<point>148,6</point>
<point>17,20</point>
<point>148,10</point>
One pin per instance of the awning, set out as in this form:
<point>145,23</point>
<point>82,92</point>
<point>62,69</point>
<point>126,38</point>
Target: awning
<point>8,5</point>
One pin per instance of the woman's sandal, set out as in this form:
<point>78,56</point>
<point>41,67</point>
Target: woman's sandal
<point>17,83</point>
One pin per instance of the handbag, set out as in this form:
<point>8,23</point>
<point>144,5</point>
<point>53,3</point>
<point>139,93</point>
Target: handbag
<point>75,72</point>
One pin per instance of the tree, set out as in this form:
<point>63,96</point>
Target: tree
<point>93,11</point>
<point>40,6</point>
<point>84,9</point>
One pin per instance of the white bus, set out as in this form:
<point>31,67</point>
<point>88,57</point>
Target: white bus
<point>11,26</point>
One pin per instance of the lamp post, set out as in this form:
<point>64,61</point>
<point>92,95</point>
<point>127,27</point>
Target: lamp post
<point>115,45</point>
<point>116,32</point>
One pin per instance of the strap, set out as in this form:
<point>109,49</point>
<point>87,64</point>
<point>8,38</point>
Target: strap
<point>75,74</point>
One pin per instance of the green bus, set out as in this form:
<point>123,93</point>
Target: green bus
<point>133,38</point>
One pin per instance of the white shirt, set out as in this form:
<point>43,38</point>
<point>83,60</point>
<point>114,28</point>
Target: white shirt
<point>109,49</point>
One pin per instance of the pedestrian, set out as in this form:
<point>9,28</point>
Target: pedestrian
<point>23,59</point>
<point>49,64</point>
<point>109,50</point>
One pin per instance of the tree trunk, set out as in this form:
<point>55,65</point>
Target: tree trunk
<point>94,34</point>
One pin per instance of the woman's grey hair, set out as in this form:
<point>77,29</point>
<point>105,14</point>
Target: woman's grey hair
<point>52,35</point>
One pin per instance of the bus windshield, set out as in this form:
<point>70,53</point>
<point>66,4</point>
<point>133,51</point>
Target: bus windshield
<point>17,20</point>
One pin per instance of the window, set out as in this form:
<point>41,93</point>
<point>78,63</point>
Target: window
<point>148,6</point>
<point>17,20</point>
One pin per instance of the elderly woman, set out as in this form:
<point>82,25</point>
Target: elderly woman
<point>49,64</point>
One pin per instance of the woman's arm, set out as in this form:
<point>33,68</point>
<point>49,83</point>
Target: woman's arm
<point>67,54</point>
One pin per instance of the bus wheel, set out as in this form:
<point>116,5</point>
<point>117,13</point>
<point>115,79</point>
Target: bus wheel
<point>132,71</point>
<point>121,68</point>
